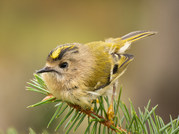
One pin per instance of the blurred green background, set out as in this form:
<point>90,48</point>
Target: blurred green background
<point>30,29</point>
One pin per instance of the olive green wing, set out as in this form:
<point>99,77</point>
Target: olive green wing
<point>117,68</point>
<point>111,62</point>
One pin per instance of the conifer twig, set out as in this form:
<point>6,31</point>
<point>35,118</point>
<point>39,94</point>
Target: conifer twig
<point>125,119</point>
<point>99,118</point>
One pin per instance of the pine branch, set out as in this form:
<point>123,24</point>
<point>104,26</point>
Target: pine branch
<point>96,117</point>
<point>125,119</point>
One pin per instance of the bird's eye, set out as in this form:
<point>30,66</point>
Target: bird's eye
<point>63,65</point>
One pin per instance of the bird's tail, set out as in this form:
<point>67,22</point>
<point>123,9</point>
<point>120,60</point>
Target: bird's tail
<point>134,36</point>
<point>125,41</point>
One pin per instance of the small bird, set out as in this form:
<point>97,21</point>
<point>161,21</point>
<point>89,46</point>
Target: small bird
<point>79,73</point>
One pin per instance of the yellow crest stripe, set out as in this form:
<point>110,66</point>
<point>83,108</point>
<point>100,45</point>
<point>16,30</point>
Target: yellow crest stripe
<point>58,50</point>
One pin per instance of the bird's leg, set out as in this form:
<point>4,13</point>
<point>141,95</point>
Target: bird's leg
<point>110,112</point>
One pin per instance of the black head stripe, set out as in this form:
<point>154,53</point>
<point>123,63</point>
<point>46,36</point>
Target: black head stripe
<point>63,51</point>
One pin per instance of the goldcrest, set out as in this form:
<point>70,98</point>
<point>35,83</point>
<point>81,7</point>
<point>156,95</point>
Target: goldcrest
<point>79,73</point>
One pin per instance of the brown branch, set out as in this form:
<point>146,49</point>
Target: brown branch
<point>102,120</point>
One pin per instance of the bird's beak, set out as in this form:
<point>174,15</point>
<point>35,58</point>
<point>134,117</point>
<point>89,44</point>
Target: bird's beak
<point>45,70</point>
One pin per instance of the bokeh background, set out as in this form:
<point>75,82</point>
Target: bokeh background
<point>30,29</point>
